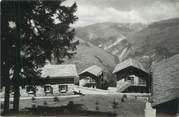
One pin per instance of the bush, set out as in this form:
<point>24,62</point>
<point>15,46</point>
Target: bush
<point>70,105</point>
<point>124,98</point>
<point>97,103</point>
<point>97,108</point>
<point>33,106</point>
<point>55,99</point>
<point>45,103</point>
<point>115,104</point>
<point>33,99</point>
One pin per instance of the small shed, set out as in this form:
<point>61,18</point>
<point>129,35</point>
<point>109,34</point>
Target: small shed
<point>165,91</point>
<point>132,77</point>
<point>91,76</point>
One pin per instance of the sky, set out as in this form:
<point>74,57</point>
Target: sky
<point>124,11</point>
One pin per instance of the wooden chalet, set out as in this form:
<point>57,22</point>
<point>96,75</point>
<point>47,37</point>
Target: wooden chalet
<point>62,75</point>
<point>91,77</point>
<point>165,91</point>
<point>132,77</point>
<point>57,78</point>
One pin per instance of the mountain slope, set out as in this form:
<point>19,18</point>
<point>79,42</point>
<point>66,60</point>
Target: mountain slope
<point>163,34</point>
<point>88,54</point>
<point>148,44</point>
<point>158,41</point>
<point>107,35</point>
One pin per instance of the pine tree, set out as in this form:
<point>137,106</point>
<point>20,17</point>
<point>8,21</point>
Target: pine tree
<point>33,32</point>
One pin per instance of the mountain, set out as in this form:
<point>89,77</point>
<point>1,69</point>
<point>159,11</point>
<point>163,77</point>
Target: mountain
<point>108,36</point>
<point>89,54</point>
<point>158,41</point>
<point>163,34</point>
<point>146,43</point>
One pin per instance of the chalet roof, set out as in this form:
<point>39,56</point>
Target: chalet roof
<point>54,71</point>
<point>128,63</point>
<point>165,80</point>
<point>95,70</point>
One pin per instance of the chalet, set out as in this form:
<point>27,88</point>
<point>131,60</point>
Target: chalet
<point>132,77</point>
<point>165,91</point>
<point>62,75</point>
<point>57,78</point>
<point>91,77</point>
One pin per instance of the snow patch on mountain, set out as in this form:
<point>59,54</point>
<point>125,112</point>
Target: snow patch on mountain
<point>126,52</point>
<point>115,43</point>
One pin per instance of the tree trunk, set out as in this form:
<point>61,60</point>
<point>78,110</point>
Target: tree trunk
<point>16,97</point>
<point>6,100</point>
<point>16,82</point>
<point>7,91</point>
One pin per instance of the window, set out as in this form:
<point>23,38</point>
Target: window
<point>63,88</point>
<point>141,81</point>
<point>47,88</point>
<point>132,80</point>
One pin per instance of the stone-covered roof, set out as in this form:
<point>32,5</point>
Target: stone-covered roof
<point>128,63</point>
<point>94,70</point>
<point>59,71</point>
<point>165,80</point>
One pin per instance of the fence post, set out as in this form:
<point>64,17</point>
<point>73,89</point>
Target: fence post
<point>149,111</point>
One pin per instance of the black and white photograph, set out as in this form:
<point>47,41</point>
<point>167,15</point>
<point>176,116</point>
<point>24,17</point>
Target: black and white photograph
<point>89,58</point>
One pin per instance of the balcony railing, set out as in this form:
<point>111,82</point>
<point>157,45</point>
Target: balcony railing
<point>139,84</point>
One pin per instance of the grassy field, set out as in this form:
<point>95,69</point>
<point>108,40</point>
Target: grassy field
<point>100,103</point>
<point>90,103</point>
